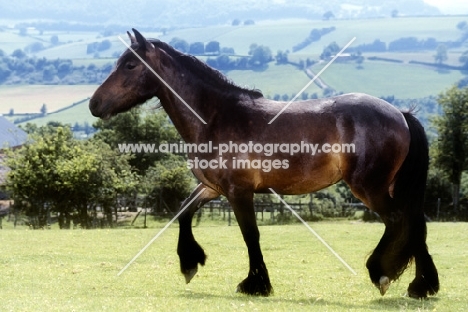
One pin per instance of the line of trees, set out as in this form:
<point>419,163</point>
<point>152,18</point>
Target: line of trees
<point>84,181</point>
<point>19,68</point>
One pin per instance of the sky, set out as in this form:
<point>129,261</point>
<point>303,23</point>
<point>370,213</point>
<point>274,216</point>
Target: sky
<point>450,6</point>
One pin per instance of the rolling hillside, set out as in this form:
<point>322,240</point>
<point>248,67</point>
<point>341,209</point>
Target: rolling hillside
<point>403,80</point>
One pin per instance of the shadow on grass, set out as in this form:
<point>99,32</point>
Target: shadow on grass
<point>381,304</point>
<point>403,303</point>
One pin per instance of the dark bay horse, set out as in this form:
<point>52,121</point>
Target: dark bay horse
<point>387,170</point>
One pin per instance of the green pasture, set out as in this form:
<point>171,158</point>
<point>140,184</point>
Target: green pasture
<point>76,270</point>
<point>385,29</point>
<point>382,78</point>
<point>11,40</point>
<point>283,35</point>
<point>420,56</point>
<point>78,49</point>
<point>276,79</point>
<point>78,113</point>
<point>278,35</point>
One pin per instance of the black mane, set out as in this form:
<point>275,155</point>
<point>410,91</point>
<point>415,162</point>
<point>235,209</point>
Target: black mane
<point>206,73</point>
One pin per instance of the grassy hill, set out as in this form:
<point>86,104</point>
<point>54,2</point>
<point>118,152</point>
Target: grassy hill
<point>404,81</point>
<point>377,78</point>
<point>78,113</point>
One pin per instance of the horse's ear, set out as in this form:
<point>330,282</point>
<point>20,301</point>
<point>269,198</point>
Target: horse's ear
<point>142,42</point>
<point>132,38</point>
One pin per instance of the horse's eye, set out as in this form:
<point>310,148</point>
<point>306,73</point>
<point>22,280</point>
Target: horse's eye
<point>130,66</point>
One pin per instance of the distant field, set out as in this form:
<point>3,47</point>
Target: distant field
<point>385,29</point>
<point>12,40</point>
<point>76,270</point>
<point>283,35</point>
<point>278,35</point>
<point>30,98</point>
<point>377,78</point>
<point>277,79</point>
<point>76,114</point>
<point>382,79</point>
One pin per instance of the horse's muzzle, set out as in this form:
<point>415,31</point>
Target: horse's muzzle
<point>94,107</point>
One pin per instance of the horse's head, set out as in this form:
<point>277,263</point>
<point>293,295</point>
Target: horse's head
<point>130,83</point>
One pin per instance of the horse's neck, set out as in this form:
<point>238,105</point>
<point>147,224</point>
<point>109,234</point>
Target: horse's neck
<point>187,99</point>
<point>176,102</point>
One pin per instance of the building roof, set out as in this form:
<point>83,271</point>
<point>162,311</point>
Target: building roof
<point>11,135</point>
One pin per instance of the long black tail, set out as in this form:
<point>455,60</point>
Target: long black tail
<point>409,194</point>
<point>410,186</point>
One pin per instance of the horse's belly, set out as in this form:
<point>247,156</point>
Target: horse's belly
<point>301,178</point>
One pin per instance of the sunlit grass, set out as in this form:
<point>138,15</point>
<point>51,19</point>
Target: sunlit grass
<point>77,270</point>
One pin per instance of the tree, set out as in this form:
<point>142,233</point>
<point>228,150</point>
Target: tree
<point>56,173</point>
<point>152,127</point>
<point>259,55</point>
<point>330,50</point>
<point>44,109</point>
<point>49,72</point>
<point>451,154</point>
<point>34,47</point>
<point>464,59</point>
<point>328,15</point>
<point>462,25</point>
<point>163,176</point>
<point>212,47</point>
<point>18,53</point>
<point>197,48</point>
<point>441,54</point>
<point>223,61</point>
<point>282,57</point>
<point>180,44</point>
<point>5,72</point>
<point>167,184</point>
<point>359,59</point>
<point>54,40</point>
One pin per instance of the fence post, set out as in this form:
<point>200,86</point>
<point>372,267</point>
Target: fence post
<point>438,208</point>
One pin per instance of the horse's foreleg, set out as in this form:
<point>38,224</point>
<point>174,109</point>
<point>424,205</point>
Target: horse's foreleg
<point>189,251</point>
<point>257,282</point>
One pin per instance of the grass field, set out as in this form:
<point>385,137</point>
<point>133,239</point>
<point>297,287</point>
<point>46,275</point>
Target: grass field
<point>382,78</point>
<point>277,79</point>
<point>76,270</point>
<point>283,35</point>
<point>30,98</point>
<point>78,113</point>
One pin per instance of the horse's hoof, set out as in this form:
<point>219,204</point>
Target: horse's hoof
<point>190,274</point>
<point>255,286</point>
<point>384,284</point>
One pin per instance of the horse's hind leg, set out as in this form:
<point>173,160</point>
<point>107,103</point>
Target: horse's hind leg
<point>189,251</point>
<point>257,282</point>
<point>404,239</point>
<point>426,281</point>
<point>392,255</point>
